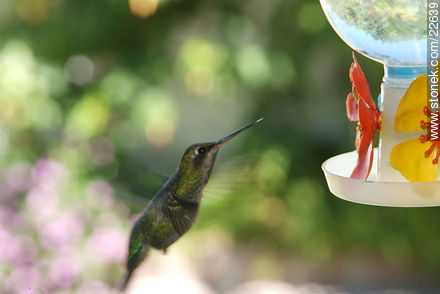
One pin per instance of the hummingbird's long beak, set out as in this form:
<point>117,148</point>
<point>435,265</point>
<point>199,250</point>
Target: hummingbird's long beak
<point>223,141</point>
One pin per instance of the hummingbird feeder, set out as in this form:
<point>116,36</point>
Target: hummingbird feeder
<point>403,171</point>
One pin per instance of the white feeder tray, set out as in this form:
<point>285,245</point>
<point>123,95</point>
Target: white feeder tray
<point>337,172</point>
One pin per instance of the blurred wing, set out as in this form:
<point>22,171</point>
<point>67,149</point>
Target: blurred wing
<point>183,213</point>
<point>132,199</point>
<point>227,178</point>
<point>137,189</point>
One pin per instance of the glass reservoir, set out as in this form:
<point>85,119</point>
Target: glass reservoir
<point>394,33</point>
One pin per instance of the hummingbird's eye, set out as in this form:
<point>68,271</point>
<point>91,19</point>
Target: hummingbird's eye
<point>201,150</point>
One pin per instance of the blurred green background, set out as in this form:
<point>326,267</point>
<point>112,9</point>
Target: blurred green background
<point>98,99</point>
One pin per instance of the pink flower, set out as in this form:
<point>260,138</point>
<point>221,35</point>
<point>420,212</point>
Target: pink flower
<point>63,272</point>
<point>25,280</point>
<point>61,231</point>
<point>9,246</point>
<point>109,244</point>
<point>17,249</point>
<point>101,151</point>
<point>42,201</point>
<point>11,218</point>
<point>95,287</point>
<point>100,194</point>
<point>6,194</point>
<point>18,177</point>
<point>50,172</point>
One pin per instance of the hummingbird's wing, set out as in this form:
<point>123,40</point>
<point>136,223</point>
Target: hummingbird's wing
<point>137,195</point>
<point>182,213</point>
<point>228,178</point>
<point>137,181</point>
<point>223,196</point>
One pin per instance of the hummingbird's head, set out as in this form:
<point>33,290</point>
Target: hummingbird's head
<point>198,160</point>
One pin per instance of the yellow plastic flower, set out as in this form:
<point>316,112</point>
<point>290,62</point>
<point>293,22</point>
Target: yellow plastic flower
<point>409,158</point>
<point>409,113</point>
<point>415,158</point>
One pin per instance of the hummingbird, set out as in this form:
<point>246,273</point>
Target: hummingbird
<point>174,209</point>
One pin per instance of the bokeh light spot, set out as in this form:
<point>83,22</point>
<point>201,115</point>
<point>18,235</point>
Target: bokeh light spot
<point>168,284</point>
<point>14,113</point>
<point>253,65</point>
<point>199,81</point>
<point>88,118</point>
<point>143,8</point>
<point>156,114</point>
<point>201,63</point>
<point>101,151</point>
<point>284,72</point>
<point>52,79</point>
<point>297,200</point>
<point>200,53</point>
<point>17,65</point>
<point>271,211</point>
<point>79,69</point>
<point>119,86</point>
<point>99,195</point>
<point>160,133</point>
<point>100,240</point>
<point>64,270</point>
<point>52,113</point>
<point>32,11</point>
<point>272,168</point>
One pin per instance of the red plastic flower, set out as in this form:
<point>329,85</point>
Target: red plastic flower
<point>435,144</point>
<point>361,108</point>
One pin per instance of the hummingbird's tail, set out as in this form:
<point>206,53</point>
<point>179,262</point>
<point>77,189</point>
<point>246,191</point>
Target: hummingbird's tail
<point>126,280</point>
<point>133,262</point>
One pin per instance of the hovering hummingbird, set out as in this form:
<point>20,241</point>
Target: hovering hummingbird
<point>174,209</point>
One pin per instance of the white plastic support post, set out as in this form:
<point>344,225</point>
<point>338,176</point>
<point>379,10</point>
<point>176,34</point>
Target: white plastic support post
<point>395,83</point>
